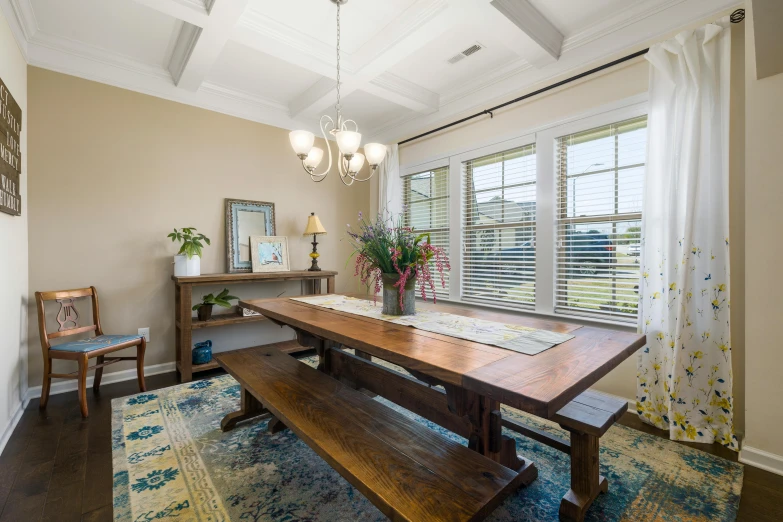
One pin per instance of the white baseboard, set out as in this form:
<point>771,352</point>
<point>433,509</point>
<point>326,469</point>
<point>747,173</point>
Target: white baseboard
<point>12,422</point>
<point>64,386</point>
<point>761,459</point>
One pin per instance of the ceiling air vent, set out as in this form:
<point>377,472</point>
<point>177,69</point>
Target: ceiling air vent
<point>464,54</point>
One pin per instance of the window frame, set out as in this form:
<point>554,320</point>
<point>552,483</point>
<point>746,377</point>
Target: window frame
<point>544,138</point>
<point>421,169</point>
<point>614,218</point>
<point>523,142</point>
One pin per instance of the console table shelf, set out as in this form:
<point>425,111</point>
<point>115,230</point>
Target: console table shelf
<point>185,323</point>
<point>224,319</point>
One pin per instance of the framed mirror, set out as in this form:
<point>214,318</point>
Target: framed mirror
<point>244,219</point>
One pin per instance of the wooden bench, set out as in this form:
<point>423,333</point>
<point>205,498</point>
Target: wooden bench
<point>587,418</point>
<point>407,470</point>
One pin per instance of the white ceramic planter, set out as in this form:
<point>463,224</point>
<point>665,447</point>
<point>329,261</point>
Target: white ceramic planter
<point>184,266</point>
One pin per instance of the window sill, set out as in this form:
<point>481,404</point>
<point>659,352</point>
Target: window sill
<point>576,319</point>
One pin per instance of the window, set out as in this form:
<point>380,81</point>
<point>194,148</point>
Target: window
<point>499,228</point>
<point>426,203</point>
<point>600,175</point>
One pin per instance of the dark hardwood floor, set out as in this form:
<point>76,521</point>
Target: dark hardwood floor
<point>58,467</point>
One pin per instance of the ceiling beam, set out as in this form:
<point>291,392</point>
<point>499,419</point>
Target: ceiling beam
<point>402,92</point>
<point>207,26</point>
<point>548,40</point>
<point>194,12</point>
<point>318,97</point>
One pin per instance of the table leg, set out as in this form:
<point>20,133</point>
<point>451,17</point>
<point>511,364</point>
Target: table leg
<point>324,351</point>
<point>487,435</point>
<point>275,425</point>
<point>185,346</point>
<point>249,409</point>
<point>586,482</point>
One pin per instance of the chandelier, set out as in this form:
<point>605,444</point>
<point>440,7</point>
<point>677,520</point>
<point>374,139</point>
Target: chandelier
<point>346,134</point>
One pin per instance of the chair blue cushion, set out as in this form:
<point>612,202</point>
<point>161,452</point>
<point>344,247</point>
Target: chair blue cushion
<point>95,343</point>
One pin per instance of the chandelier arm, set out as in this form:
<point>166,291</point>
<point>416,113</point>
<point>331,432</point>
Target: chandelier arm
<point>323,126</point>
<point>312,175</point>
<point>344,172</point>
<point>345,122</point>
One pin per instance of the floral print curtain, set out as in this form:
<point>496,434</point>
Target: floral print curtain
<point>684,373</point>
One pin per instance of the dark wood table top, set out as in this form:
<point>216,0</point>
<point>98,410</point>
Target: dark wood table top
<point>540,384</point>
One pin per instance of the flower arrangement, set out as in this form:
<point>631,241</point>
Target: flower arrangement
<point>387,248</point>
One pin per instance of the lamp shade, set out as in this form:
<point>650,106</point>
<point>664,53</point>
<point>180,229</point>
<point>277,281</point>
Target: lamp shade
<point>314,158</point>
<point>355,165</point>
<point>314,226</point>
<point>375,153</point>
<point>348,141</point>
<point>301,142</point>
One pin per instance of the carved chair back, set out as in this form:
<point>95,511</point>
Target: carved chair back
<point>68,315</point>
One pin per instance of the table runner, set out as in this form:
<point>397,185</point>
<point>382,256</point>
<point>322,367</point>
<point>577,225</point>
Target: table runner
<point>513,337</point>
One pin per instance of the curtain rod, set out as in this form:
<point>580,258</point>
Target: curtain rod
<point>735,17</point>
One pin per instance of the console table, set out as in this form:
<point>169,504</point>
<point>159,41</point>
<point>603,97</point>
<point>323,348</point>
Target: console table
<point>185,323</point>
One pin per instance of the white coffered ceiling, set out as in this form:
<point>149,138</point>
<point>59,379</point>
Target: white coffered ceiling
<point>273,61</point>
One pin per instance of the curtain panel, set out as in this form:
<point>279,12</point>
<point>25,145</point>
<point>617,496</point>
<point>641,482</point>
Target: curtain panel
<point>684,381</point>
<point>389,183</point>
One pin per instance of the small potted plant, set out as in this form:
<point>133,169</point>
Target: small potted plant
<point>204,308</point>
<point>187,262</point>
<point>393,257</point>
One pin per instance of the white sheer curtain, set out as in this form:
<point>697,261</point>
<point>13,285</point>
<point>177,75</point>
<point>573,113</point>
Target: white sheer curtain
<point>684,372</point>
<point>389,183</point>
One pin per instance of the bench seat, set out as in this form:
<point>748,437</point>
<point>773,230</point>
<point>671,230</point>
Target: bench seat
<point>408,471</point>
<point>591,412</point>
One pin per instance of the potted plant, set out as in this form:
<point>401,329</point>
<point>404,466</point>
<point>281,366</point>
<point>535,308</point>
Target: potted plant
<point>393,257</point>
<point>204,308</point>
<point>187,262</point>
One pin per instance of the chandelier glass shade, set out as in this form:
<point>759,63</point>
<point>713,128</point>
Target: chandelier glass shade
<point>345,133</point>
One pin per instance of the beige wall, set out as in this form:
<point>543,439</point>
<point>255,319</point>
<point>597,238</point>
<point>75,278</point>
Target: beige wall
<point>113,171</point>
<point>564,103</point>
<point>13,254</point>
<point>763,254</point>
<point>596,91</point>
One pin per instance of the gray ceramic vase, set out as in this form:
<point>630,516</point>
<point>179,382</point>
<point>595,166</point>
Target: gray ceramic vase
<point>391,296</point>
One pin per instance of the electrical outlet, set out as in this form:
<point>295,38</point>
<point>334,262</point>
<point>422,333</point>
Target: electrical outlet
<point>146,333</point>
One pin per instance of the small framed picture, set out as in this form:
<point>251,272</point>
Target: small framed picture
<point>269,253</point>
<point>244,219</point>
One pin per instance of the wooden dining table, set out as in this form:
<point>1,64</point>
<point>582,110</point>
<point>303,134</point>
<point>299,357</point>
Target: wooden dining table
<point>456,383</point>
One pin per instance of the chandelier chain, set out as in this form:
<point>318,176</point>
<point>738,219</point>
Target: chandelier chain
<point>338,106</point>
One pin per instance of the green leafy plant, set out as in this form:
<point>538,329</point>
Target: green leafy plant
<point>192,242</point>
<point>222,299</point>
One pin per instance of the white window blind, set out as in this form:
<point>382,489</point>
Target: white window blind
<point>498,237</point>
<point>426,210</point>
<point>600,174</point>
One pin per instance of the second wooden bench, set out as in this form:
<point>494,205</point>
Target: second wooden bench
<point>407,470</point>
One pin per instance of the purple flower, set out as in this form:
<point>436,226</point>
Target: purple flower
<point>360,215</point>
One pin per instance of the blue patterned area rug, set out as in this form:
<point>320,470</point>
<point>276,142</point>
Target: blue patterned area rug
<point>171,461</point>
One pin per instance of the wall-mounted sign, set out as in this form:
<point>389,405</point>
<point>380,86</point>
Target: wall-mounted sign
<point>10,152</point>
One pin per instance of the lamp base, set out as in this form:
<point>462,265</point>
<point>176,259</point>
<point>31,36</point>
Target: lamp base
<point>314,255</point>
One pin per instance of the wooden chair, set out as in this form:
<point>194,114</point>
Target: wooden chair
<point>84,349</point>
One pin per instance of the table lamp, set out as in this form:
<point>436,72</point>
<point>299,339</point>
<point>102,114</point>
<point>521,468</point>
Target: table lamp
<point>315,228</point>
